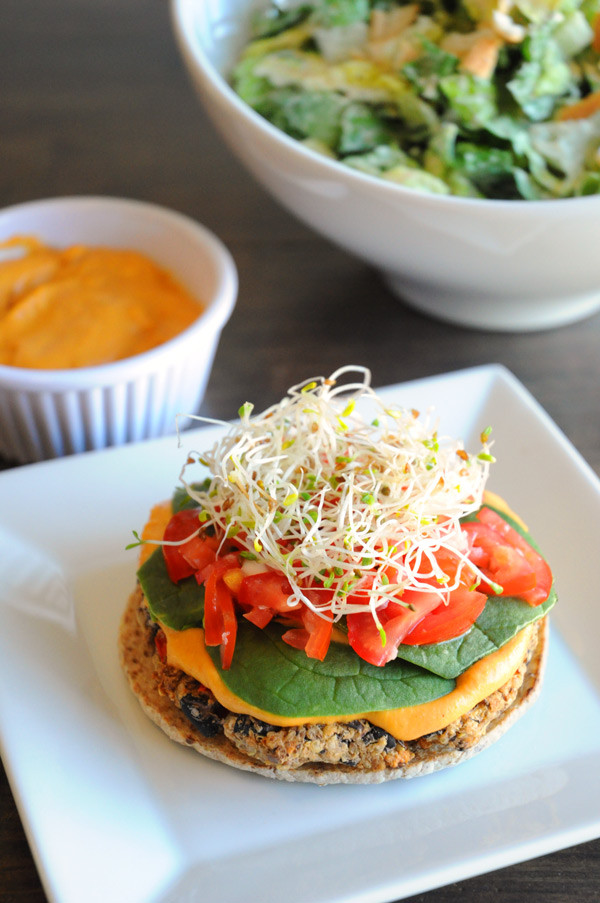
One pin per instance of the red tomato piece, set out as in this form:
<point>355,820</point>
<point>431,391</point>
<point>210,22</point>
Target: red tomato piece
<point>160,644</point>
<point>268,589</point>
<point>313,633</point>
<point>512,570</point>
<point>396,620</point>
<point>220,622</point>
<point>259,616</point>
<point>219,567</point>
<point>229,634</point>
<point>503,565</point>
<point>297,637</point>
<point>213,619</point>
<point>507,559</point>
<point>185,559</point>
<point>314,638</point>
<point>200,551</point>
<point>318,627</point>
<point>448,621</point>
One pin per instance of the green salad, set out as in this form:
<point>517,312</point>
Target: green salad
<point>477,98</point>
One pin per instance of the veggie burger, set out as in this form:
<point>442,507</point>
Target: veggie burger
<point>339,599</point>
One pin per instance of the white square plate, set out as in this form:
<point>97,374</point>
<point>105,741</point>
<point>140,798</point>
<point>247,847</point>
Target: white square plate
<point>115,811</point>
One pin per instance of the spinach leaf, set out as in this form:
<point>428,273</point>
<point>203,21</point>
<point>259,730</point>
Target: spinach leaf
<point>269,674</point>
<point>336,13</point>
<point>178,605</point>
<point>181,499</point>
<point>501,619</point>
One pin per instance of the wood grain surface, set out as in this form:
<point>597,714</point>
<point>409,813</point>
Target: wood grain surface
<point>94,100</point>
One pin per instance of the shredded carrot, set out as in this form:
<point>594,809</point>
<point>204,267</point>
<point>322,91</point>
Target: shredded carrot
<point>581,109</point>
<point>596,38</point>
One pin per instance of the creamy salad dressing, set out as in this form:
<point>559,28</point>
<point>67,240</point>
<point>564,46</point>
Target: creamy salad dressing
<point>82,306</point>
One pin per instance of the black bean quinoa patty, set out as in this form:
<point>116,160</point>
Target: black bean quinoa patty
<point>341,752</point>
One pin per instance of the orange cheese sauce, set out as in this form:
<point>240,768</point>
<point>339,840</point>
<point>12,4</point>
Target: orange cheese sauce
<point>82,306</point>
<point>187,651</point>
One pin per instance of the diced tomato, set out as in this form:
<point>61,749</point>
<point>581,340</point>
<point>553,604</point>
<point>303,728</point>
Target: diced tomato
<point>319,627</point>
<point>297,637</point>
<point>185,559</point>
<point>396,620</point>
<point>200,552</point>
<point>268,589</point>
<point>448,621</point>
<point>507,559</point>
<point>220,566</point>
<point>259,616</point>
<point>315,636</point>
<point>263,595</point>
<point>220,622</point>
<point>214,591</point>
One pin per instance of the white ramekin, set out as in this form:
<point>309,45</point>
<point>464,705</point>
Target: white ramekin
<point>49,413</point>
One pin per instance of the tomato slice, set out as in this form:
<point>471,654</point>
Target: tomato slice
<point>503,565</point>
<point>185,559</point>
<point>448,621</point>
<point>507,559</point>
<point>396,620</point>
<point>229,632</point>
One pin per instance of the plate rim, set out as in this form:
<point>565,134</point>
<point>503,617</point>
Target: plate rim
<point>490,374</point>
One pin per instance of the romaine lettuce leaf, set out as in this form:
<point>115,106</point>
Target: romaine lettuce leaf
<point>362,129</point>
<point>333,13</point>
<point>271,21</point>
<point>471,99</point>
<point>569,147</point>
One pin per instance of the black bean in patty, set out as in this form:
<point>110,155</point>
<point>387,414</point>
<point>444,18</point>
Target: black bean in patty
<point>205,714</point>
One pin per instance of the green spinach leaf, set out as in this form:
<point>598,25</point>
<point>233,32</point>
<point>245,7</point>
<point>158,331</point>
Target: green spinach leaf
<point>178,605</point>
<point>269,674</point>
<point>501,619</point>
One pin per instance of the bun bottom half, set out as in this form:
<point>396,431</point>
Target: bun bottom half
<point>460,741</point>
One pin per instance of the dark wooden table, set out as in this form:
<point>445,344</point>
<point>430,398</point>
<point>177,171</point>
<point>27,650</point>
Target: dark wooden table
<point>94,100</point>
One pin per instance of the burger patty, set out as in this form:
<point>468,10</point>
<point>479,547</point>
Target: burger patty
<point>357,743</point>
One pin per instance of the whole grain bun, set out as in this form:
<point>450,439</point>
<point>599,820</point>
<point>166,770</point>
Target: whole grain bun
<point>139,662</point>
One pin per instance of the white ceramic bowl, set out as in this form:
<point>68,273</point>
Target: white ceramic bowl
<point>48,413</point>
<point>501,265</point>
